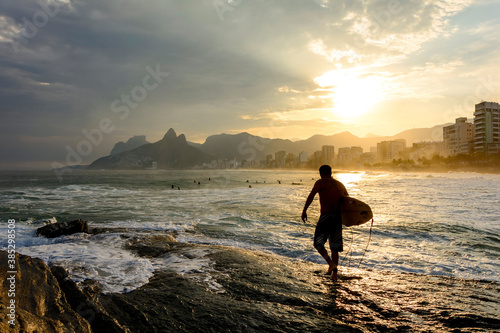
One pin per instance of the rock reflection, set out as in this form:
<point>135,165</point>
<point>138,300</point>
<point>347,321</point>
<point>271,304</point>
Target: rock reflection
<point>386,301</point>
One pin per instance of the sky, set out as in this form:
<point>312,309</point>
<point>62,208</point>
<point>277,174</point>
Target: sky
<point>77,76</point>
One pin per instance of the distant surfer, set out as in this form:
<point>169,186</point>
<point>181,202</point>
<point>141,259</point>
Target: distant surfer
<point>329,226</point>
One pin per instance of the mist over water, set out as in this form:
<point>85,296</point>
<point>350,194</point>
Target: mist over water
<point>434,224</point>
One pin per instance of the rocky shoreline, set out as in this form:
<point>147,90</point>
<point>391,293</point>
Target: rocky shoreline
<point>246,291</point>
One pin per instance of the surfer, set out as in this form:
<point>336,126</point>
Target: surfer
<point>329,226</point>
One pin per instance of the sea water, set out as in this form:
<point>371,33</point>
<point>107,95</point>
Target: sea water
<point>434,224</point>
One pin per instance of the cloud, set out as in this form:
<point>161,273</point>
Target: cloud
<point>229,69</point>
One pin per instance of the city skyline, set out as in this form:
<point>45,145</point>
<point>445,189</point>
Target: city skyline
<point>288,69</point>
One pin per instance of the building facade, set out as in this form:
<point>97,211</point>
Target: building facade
<point>349,155</point>
<point>487,128</point>
<point>328,154</point>
<point>389,150</point>
<point>426,149</point>
<point>280,158</point>
<point>458,137</point>
<point>303,157</point>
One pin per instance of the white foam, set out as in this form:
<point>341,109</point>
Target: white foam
<point>101,257</point>
<point>193,264</point>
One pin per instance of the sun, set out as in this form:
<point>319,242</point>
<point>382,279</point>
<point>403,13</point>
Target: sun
<point>352,94</point>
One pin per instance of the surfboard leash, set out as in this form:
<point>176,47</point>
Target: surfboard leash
<point>367,244</point>
<point>348,253</point>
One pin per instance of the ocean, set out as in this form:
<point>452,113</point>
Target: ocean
<point>445,224</point>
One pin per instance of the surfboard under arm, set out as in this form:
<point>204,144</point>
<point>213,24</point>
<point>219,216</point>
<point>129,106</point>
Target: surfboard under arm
<point>354,211</point>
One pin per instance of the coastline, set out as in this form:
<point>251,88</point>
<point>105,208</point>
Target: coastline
<point>490,170</point>
<point>486,170</point>
<point>249,291</point>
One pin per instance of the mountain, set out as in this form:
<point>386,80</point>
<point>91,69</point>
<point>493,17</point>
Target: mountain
<point>421,134</point>
<point>132,143</point>
<point>171,152</point>
<point>175,152</point>
<point>250,147</point>
<point>243,146</point>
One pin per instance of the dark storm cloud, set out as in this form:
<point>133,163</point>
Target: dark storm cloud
<point>89,52</point>
<point>230,63</point>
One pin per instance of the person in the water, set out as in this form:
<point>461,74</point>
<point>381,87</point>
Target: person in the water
<point>329,226</point>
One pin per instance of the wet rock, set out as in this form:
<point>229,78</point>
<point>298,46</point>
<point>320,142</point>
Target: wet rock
<point>63,228</point>
<point>470,320</point>
<point>236,291</point>
<point>151,246</point>
<point>40,304</point>
<point>85,302</point>
<point>201,288</point>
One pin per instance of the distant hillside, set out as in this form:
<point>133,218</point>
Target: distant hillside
<point>243,146</point>
<point>132,143</point>
<point>250,147</point>
<point>171,152</point>
<point>421,134</point>
<point>175,152</point>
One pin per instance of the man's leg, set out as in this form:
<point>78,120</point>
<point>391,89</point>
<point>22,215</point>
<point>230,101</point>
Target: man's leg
<point>325,255</point>
<point>335,263</point>
<point>321,235</point>
<point>320,238</point>
<point>336,245</point>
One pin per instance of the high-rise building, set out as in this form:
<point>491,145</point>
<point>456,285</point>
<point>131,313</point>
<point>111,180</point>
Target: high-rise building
<point>328,153</point>
<point>487,127</point>
<point>317,158</point>
<point>457,138</point>
<point>348,155</point>
<point>303,157</point>
<point>280,158</point>
<point>344,155</point>
<point>389,150</point>
<point>426,149</point>
<point>269,160</point>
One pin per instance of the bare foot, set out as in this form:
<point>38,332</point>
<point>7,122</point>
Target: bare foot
<point>334,275</point>
<point>331,269</point>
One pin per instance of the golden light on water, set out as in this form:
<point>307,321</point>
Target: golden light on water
<point>353,93</point>
<point>348,178</point>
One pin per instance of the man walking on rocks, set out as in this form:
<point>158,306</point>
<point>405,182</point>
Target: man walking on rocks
<point>329,226</point>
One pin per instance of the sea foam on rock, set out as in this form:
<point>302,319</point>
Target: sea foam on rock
<point>54,230</point>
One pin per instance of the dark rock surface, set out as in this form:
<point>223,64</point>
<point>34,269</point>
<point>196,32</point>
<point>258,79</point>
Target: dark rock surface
<point>84,300</point>
<point>63,228</point>
<point>41,306</point>
<point>255,293</point>
<point>222,289</point>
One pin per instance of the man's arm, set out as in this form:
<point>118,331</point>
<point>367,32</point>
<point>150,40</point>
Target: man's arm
<point>344,190</point>
<point>309,200</point>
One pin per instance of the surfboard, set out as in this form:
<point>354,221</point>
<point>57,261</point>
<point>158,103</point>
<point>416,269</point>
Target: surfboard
<point>354,211</point>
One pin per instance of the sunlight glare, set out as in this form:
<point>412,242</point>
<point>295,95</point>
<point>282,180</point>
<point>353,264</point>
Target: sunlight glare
<point>352,94</point>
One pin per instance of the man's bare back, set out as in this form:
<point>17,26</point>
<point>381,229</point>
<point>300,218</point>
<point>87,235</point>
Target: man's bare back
<point>330,191</point>
<point>329,225</point>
